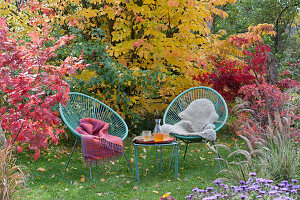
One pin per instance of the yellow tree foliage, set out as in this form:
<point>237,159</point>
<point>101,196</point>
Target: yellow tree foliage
<point>170,36</point>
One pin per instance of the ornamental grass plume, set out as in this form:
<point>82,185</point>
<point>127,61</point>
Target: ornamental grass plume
<point>12,176</point>
<point>253,188</point>
<point>271,152</point>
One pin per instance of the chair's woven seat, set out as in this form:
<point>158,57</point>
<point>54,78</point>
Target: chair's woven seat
<point>181,102</point>
<point>82,106</point>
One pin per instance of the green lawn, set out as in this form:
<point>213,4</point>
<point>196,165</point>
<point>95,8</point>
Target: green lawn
<point>48,180</point>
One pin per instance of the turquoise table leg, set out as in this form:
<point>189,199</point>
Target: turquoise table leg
<point>171,157</point>
<point>176,161</point>
<point>157,160</point>
<point>161,159</point>
<point>136,163</point>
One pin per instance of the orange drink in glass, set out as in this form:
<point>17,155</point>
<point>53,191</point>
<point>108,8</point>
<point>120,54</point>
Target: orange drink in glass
<point>166,136</point>
<point>158,137</point>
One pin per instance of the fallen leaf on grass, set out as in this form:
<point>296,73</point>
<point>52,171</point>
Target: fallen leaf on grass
<point>82,179</point>
<point>201,158</point>
<point>102,179</point>
<point>154,191</point>
<point>127,182</point>
<point>156,186</point>
<point>99,194</point>
<point>135,188</point>
<point>94,186</point>
<point>40,169</point>
<point>42,186</point>
<point>62,163</point>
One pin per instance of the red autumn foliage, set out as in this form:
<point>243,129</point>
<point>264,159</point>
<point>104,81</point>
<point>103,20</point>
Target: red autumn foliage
<point>227,78</point>
<point>31,88</point>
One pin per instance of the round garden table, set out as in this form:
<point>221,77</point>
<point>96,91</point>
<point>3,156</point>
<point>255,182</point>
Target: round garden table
<point>170,142</point>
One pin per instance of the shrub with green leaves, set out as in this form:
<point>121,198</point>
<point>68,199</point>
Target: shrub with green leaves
<point>132,93</point>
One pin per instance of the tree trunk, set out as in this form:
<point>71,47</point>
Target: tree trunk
<point>271,69</point>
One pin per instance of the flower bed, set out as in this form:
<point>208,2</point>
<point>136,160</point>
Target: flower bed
<point>254,188</point>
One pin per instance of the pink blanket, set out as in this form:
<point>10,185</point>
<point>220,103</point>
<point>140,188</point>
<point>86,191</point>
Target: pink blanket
<point>97,145</point>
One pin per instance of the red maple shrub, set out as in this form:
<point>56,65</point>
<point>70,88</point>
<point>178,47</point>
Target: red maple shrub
<point>31,88</point>
<point>227,77</point>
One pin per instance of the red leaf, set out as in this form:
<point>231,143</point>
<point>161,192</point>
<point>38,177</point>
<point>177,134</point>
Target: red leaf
<point>19,149</point>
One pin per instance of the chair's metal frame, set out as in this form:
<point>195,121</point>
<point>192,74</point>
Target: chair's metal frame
<point>181,102</point>
<point>83,106</point>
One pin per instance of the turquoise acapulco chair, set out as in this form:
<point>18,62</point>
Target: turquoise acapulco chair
<point>182,101</point>
<point>83,106</point>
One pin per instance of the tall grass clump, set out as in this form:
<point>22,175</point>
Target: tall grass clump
<point>12,176</point>
<point>278,159</point>
<point>271,152</point>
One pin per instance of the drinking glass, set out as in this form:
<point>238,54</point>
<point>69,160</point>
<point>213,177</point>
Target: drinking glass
<point>146,135</point>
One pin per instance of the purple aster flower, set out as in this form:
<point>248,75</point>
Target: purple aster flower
<point>252,187</point>
<point>201,191</point>
<point>209,189</point>
<point>225,187</point>
<point>218,195</point>
<point>213,192</point>
<point>190,196</point>
<point>259,196</point>
<point>296,186</point>
<point>249,181</point>
<point>262,192</point>
<point>284,189</point>
<point>243,196</point>
<point>285,181</point>
<point>274,187</point>
<point>281,184</point>
<point>269,181</point>
<point>218,182</point>
<point>260,180</point>
<point>238,189</point>
<point>225,196</point>
<point>294,191</point>
<point>244,186</point>
<point>252,174</point>
<point>242,182</point>
<point>195,189</point>
<point>272,192</point>
<point>294,180</point>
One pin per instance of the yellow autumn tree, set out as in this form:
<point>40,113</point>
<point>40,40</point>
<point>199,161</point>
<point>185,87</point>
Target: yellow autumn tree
<point>170,37</point>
